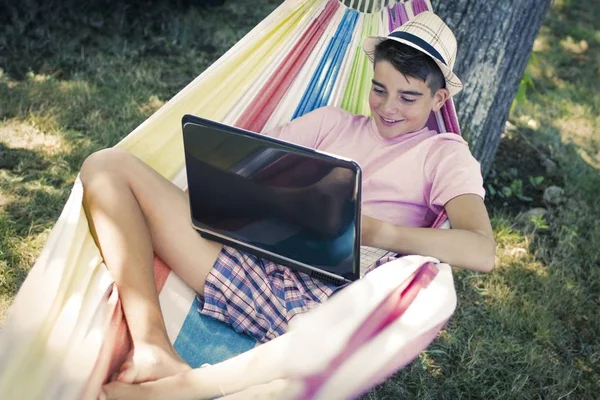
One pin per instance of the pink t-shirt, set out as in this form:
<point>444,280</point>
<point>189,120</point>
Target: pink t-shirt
<point>408,179</point>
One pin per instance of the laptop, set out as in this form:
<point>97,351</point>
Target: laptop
<point>290,204</point>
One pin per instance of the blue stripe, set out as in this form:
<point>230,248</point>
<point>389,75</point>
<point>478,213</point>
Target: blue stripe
<point>323,81</point>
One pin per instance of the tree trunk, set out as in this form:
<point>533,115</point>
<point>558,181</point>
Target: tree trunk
<point>495,38</point>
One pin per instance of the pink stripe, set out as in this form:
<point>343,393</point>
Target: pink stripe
<point>441,218</point>
<point>114,349</point>
<point>452,118</point>
<point>392,18</point>
<point>117,343</point>
<point>401,15</point>
<point>419,6</point>
<point>256,116</point>
<point>423,278</point>
<point>432,123</point>
<point>391,308</point>
<point>403,357</point>
<point>446,117</point>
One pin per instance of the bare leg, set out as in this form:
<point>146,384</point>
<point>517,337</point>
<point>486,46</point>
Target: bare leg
<point>134,211</point>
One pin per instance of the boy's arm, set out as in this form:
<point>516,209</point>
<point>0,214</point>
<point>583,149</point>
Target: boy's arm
<point>469,244</point>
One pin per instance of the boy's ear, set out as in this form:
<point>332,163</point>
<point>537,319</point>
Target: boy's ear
<point>439,98</point>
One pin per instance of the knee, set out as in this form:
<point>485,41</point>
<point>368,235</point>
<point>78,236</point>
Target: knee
<point>107,163</point>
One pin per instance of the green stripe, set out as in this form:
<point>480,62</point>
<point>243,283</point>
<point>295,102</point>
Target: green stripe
<point>355,99</point>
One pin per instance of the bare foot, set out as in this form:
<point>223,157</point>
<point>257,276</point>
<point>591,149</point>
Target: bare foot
<point>149,362</point>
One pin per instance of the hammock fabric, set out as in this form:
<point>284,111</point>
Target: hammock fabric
<point>65,333</point>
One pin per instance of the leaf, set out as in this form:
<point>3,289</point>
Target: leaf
<point>524,198</point>
<point>536,180</point>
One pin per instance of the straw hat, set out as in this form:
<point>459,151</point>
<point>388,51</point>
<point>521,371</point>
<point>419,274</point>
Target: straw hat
<point>429,34</point>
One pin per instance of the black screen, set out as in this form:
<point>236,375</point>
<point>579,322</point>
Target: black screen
<point>285,201</point>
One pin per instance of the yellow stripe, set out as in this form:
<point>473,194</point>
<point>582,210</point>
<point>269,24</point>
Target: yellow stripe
<point>214,96</point>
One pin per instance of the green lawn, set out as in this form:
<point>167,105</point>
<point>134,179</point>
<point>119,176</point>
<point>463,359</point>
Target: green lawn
<point>76,78</point>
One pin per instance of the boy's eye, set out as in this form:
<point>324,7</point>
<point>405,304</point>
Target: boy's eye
<point>378,90</point>
<point>407,100</point>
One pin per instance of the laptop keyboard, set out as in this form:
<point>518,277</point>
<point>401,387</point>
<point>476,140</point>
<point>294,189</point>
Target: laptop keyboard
<point>368,256</point>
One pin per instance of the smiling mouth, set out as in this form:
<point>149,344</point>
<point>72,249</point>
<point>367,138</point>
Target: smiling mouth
<point>389,121</point>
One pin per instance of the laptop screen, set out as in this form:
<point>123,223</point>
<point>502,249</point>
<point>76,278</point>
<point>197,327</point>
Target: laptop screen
<point>283,202</point>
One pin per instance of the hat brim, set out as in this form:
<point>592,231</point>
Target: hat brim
<point>453,84</point>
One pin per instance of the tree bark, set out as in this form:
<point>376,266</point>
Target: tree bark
<point>495,38</point>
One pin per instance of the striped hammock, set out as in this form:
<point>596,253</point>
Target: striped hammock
<point>65,332</point>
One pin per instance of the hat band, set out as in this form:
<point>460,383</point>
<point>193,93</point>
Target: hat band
<point>419,42</point>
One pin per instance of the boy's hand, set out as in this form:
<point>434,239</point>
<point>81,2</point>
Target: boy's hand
<point>368,230</point>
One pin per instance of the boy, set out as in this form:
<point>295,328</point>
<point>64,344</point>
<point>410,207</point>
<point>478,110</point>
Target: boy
<point>410,174</point>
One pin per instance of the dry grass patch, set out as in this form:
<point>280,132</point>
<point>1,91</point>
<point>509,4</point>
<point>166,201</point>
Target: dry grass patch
<point>23,135</point>
<point>5,199</point>
<point>582,130</point>
<point>151,106</point>
<point>574,47</point>
<point>541,44</point>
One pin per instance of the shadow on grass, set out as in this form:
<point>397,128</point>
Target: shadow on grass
<point>13,159</point>
<point>88,74</point>
<point>34,192</point>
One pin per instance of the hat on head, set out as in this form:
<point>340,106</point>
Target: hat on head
<point>427,33</point>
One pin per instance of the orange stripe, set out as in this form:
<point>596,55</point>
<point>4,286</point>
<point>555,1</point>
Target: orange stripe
<point>161,273</point>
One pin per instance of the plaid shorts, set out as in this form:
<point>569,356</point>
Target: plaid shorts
<point>258,297</point>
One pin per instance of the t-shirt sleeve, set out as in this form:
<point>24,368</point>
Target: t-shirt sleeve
<point>452,171</point>
<point>309,129</point>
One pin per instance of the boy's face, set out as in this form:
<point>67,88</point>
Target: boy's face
<point>401,104</point>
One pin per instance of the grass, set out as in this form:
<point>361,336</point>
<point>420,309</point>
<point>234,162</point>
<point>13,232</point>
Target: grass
<point>76,78</point>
